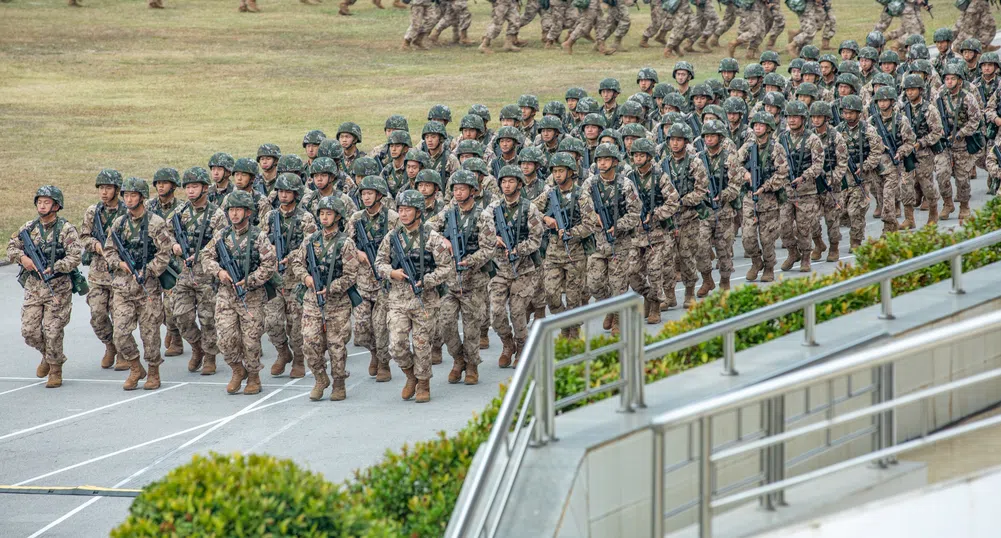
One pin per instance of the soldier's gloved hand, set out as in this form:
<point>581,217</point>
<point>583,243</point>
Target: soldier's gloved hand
<point>27,264</point>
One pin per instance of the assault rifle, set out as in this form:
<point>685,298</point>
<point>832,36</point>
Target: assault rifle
<point>278,240</point>
<point>229,265</point>
<point>603,213</point>
<point>130,262</point>
<point>367,246</point>
<point>507,237</point>
<point>888,141</point>
<point>314,273</point>
<point>947,139</point>
<point>457,240</point>
<point>408,268</point>
<point>854,171</point>
<point>560,215</point>
<point>182,241</point>
<point>32,251</point>
<point>755,171</point>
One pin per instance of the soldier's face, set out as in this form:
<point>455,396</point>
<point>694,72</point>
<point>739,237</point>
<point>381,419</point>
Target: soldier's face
<point>321,180</point>
<point>218,173</point>
<point>508,122</point>
<point>132,200</point>
<point>608,140</point>
<point>506,145</point>
<point>739,94</point>
<point>851,116</point>
<point>677,144</point>
<point>733,117</point>
<point>942,46</point>
<point>805,99</point>
<point>700,101</point>
<point>640,160</point>
<point>591,131</point>
<point>571,104</point>
<point>369,197</point>
<point>328,217</point>
<point>465,156</point>
<point>427,189</point>
<point>728,76</point>
<point>771,109</point>
<point>884,104</point>
<point>760,130</point>
<point>847,54</point>
<point>312,150</point>
<point>796,74</point>
<point>412,168</point>
<point>754,81</point>
<point>433,141</point>
<point>712,140</point>
<point>107,193</point>
<point>818,121</point>
<point>396,150</point>
<point>626,120</point>
<point>605,164</point>
<point>826,68</point>
<point>242,180</point>
<point>888,67</point>
<point>194,190</point>
<point>609,95</point>
<point>346,139</point>
<point>969,55</point>
<point>528,168</point>
<point>810,77</point>
<point>769,66</point>
<point>509,185</point>
<point>469,134</point>
<point>548,134</point>
<point>845,89</point>
<point>794,122</point>
<point>527,113</point>
<point>913,93</point>
<point>267,163</point>
<point>952,81</point>
<point>560,174</point>
<point>45,205</point>
<point>461,193</point>
<point>286,197</point>
<point>865,64</point>
<point>407,214</point>
<point>988,68</point>
<point>627,141</point>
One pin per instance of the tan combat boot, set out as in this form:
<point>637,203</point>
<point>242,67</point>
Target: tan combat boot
<point>752,54</point>
<point>689,297</point>
<point>411,386</point>
<point>175,347</point>
<point>342,9</point>
<point>661,37</point>
<point>947,208</point>
<point>724,282</point>
<point>671,302</point>
<point>509,45</point>
<point>825,44</point>
<point>208,365</point>
<point>713,41</point>
<point>197,355</point>
<point>707,285</point>
<point>964,212</point>
<point>241,9</point>
<point>908,222</point>
<point>769,275</point>
<point>458,366</point>
<point>378,4</point>
<point>406,45</point>
<point>793,49</point>
<point>55,379</point>
<point>464,38</point>
<point>320,385</point>
<point>120,363</point>
<point>235,382</point>
<point>617,46</point>
<point>419,42</point>
<point>472,374</point>
<point>615,325</point>
<point>752,273</point>
<point>653,316</point>
<point>252,6</point>
<point>731,47</point>
<point>298,367</point>
<point>791,259</point>
<point>832,254</point>
<point>792,34</point>
<point>504,360</point>
<point>484,336</point>
<point>568,46</point>
<point>878,212</point>
<point>690,47</point>
<point>435,355</point>
<point>771,41</point>
<point>599,46</point>
<point>108,360</point>
<point>818,248</point>
<point>435,34</point>
<point>924,204</point>
<point>373,364</point>
<point>607,322</point>
<point>670,52</point>
<point>43,369</point>
<point>136,372</point>
<point>644,42</point>
<point>284,357</point>
<point>253,384</point>
<point>485,46</point>
<point>339,393</point>
<point>423,391</point>
<point>153,380</point>
<point>804,263</point>
<point>703,44</point>
<point>384,374</point>
<point>933,215</point>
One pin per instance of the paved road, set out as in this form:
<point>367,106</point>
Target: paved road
<point>91,432</point>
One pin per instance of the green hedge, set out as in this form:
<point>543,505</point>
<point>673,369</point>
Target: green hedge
<point>412,491</point>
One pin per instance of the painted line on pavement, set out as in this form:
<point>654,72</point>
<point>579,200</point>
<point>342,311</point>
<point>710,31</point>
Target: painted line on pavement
<point>21,388</point>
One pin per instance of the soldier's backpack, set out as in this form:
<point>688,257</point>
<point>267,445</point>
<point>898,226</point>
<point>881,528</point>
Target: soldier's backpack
<point>796,6</point>
<point>895,8</point>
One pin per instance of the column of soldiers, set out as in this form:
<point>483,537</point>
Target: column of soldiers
<point>495,226</point>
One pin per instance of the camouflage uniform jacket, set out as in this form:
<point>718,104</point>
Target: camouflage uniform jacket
<point>774,169</point>
<point>325,248</point>
<point>35,292</point>
<point>243,245</point>
<point>424,242</point>
<point>625,213</point>
<point>525,222</point>
<point>199,225</point>
<point>802,145</point>
<point>688,169</point>
<point>149,229</point>
<point>652,186</point>
<point>295,226</point>
<point>99,273</point>
<point>477,226</point>
<point>580,213</point>
<point>376,227</point>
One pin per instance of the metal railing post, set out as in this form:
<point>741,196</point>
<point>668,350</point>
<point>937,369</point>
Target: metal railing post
<point>657,499</point>
<point>810,325</point>
<point>540,393</point>
<point>626,359</point>
<point>780,449</point>
<point>957,274</point>
<point>729,353</point>
<point>705,478</point>
<point>639,363</point>
<point>765,454</point>
<point>886,299</point>
<point>889,430</point>
<point>550,367</point>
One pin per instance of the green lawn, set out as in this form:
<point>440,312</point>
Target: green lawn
<point>115,84</point>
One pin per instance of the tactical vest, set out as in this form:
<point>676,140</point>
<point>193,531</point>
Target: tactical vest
<point>680,175</point>
<point>519,228</point>
<point>328,264</point>
<point>613,197</point>
<point>199,232</point>
<point>919,119</point>
<point>800,157</point>
<point>157,208</point>
<point>830,158</point>
<point>240,254</point>
<point>52,248</point>
<point>434,210</point>
<point>858,144</point>
<point>471,231</point>
<point>570,205</point>
<point>138,245</point>
<point>718,173</point>
<point>218,196</point>
<point>534,190</point>
<point>959,113</point>
<point>418,253</point>
<point>377,227</point>
<point>646,192</point>
<point>291,229</point>
<point>395,180</point>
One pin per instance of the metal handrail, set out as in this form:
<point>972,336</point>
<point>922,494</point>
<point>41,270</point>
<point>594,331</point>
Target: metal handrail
<point>807,302</point>
<point>700,415</point>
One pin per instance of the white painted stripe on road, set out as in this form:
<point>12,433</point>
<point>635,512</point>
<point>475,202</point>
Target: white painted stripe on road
<point>95,410</point>
<point>91,380</point>
<point>282,430</point>
<point>21,388</point>
<point>66,516</point>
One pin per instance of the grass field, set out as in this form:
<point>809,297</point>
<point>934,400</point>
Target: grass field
<point>115,84</point>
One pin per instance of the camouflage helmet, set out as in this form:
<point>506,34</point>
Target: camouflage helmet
<point>464,177</point>
<point>470,147</point>
<point>884,93</point>
<point>609,84</point>
<point>875,39</point>
<point>643,146</point>
<point>352,129</point>
<point>884,79</point>
<point>918,51</point>
<point>330,147</point>
<point>418,156</point>
<point>775,99</point>
<point>829,58</point>
<point>680,130</point>
<point>109,176</point>
<point>411,198</point>
<point>954,68</point>
<point>647,73</point>
<point>137,185</point>
<point>510,132</point>
<point>851,102</point>
<point>476,164</point>
<point>662,91</point>
<point>821,108</point>
<point>289,182</point>
<point>472,121</point>
<point>740,85</point>
<point>990,58</point>
<point>529,101</point>
<point>765,118</point>
<point>889,57</point>
<point>269,150</point>
<point>290,162</point>
<point>715,127</point>
<point>481,111</point>
<point>587,105</point>
<point>849,79</point>
<point>850,66</point>
<point>921,66</point>
<point>868,53</point>
<point>673,117</point>
<point>169,175</point>
<point>753,71</point>
<point>400,137</point>
<point>594,119</point>
<point>810,68</point>
<point>797,108</point>
<point>572,145</point>
<point>333,203</point>
<point>683,66</point>
<point>971,43</point>
<point>769,56</point>
<point>531,154</point>
<point>396,122</point>
<point>555,108</point>
<point>575,93</point>
<point>716,86</point>
<point>551,122</point>
<point>607,150</point>
<point>810,53</point>
<point>440,112</point>
<point>774,79</point>
<point>913,81</point>
<point>614,134</point>
<point>510,171</point>
<point>796,63</point>
<point>429,176</point>
<point>510,112</point>
<point>434,127</point>
<point>365,166</point>
<point>565,160</point>
<point>374,183</point>
<point>321,165</point>
<point>633,109</point>
<point>50,191</point>
<point>223,160</point>
<point>942,34</point>
<point>247,166</point>
<point>702,90</point>
<point>849,44</point>
<point>736,105</point>
<point>729,64</point>
<point>808,88</point>
<point>715,110</point>
<point>676,100</point>
<point>313,137</point>
<point>914,39</point>
<point>635,130</point>
<point>195,174</point>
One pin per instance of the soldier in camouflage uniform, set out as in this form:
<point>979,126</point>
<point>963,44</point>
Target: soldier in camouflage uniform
<point>718,232</point>
<point>284,313</point>
<point>811,20</point>
<point>865,151</point>
<point>44,313</point>
<point>927,125</point>
<point>412,301</point>
<point>910,22</point>
<point>311,145</point>
<point>440,158</point>
<point>608,267</point>
<point>221,170</point>
<point>532,161</point>
<point>688,174</point>
<point>503,11</point>
<point>349,136</point>
<point>751,29</point>
<point>963,116</point>
<point>706,21</point>
<point>835,167</point>
<point>516,283</point>
<point>616,24</point>
<point>685,27</point>
<point>422,21</point>
<point>457,17</point>
<point>590,17</point>
<point>394,170</point>
<point>108,184</point>
<point>395,122</point>
<point>429,184</point>
<point>762,202</point>
<point>137,299</point>
<point>324,171</point>
<point>244,172</point>
<point>801,214</point>
<point>563,16</point>
<point>240,322</point>
<point>371,329</point>
<point>267,159</point>
<point>894,176</point>
<point>466,297</point>
<point>194,294</point>
<point>976,21</point>
<point>327,328</point>
<point>943,38</point>
<point>166,181</point>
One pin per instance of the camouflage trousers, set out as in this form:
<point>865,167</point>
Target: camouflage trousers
<point>775,21</point>
<point>44,320</point>
<point>587,20</point>
<point>759,233</point>
<point>99,300</point>
<point>168,314</point>
<point>512,296</point>
<point>191,300</point>
<point>531,10</point>
<point>910,23</point>
<point>421,16</point>
<point>131,309</point>
<point>411,326</point>
<point>470,305</point>
<point>719,235</point>
<point>798,218</point>
<point>856,203</point>
<point>686,250</point>
<point>977,21</point>
<point>810,22</point>
<point>648,266</point>
<point>371,330</point>
<point>830,24</point>
<point>751,28</point>
<point>565,278</point>
<point>456,16</point>
<point>563,17</point>
<point>240,329</point>
<point>608,276</point>
<point>956,163</point>
<point>685,26</point>
<point>707,20</point>
<point>729,17</point>
<point>885,186</point>
<point>333,341</point>
<point>616,22</point>
<point>283,322</point>
<point>921,181</point>
<point>504,11</point>
<point>660,20</point>
<point>830,208</point>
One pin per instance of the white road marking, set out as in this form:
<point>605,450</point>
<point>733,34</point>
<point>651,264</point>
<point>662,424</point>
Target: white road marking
<point>21,388</point>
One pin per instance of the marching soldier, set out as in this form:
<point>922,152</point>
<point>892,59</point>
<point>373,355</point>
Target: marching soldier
<point>689,176</point>
<point>865,149</point>
<point>244,172</point>
<point>166,181</point>
<point>268,156</point>
<point>927,125</point>
<point>801,214</point>
<point>962,120</point>
<point>719,231</point>
<point>835,167</point>
<point>221,170</point>
<point>895,174</point>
